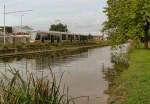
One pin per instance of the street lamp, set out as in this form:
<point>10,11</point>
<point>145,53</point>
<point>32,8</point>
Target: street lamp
<point>21,22</point>
<point>4,27</point>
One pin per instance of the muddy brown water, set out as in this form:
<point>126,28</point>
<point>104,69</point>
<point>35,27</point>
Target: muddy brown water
<point>83,72</point>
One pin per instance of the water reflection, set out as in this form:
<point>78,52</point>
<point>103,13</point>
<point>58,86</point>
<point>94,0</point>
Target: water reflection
<point>111,73</point>
<point>83,71</point>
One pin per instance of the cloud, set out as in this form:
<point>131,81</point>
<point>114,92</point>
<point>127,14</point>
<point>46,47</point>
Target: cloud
<point>79,15</point>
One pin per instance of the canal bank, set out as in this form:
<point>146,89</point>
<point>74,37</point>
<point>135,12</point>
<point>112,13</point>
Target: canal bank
<point>131,86</point>
<point>61,49</point>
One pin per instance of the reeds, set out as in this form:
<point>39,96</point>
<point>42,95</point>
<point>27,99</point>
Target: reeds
<point>32,90</point>
<point>120,59</point>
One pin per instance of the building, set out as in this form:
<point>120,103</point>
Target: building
<point>23,29</point>
<point>8,29</point>
<point>21,34</point>
<point>15,39</point>
<point>15,35</point>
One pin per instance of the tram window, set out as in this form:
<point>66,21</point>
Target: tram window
<point>77,37</point>
<point>45,37</point>
<point>69,37</point>
<point>55,37</point>
<point>63,37</point>
<point>38,37</point>
<point>72,37</point>
<point>48,37</point>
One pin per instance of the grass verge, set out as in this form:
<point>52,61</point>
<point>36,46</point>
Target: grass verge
<point>132,86</point>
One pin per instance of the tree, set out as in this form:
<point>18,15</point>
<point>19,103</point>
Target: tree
<point>59,27</point>
<point>127,19</point>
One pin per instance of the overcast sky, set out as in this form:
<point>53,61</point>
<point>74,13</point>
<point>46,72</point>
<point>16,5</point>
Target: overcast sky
<point>80,15</point>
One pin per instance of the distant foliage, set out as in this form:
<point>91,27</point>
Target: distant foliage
<point>59,27</point>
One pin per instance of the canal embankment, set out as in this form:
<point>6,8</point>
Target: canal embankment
<point>131,84</point>
<point>8,52</point>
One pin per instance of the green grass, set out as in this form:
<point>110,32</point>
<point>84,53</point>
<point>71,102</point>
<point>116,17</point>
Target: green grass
<point>133,85</point>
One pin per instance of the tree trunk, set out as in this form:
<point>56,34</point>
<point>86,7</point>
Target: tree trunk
<point>146,44</point>
<point>146,34</point>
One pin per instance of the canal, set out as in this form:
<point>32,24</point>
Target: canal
<point>83,71</point>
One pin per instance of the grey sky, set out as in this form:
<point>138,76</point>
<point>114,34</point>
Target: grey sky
<point>79,15</point>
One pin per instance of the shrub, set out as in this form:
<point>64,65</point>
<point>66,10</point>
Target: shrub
<point>39,45</point>
<point>20,46</point>
<point>5,47</point>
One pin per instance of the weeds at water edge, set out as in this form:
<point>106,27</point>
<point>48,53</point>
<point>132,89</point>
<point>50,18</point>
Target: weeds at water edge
<point>32,90</point>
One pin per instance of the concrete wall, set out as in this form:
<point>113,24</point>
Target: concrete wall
<point>15,39</point>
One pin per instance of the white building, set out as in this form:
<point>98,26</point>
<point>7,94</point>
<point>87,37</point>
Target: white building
<point>24,29</point>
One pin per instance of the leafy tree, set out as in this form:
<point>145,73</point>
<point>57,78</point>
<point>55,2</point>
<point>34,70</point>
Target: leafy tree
<point>59,27</point>
<point>127,19</point>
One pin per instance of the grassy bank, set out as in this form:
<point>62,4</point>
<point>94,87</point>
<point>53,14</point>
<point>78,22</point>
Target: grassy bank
<point>132,86</point>
<point>39,45</point>
<point>36,48</point>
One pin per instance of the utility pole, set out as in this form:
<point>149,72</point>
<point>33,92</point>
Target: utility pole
<point>21,23</point>
<point>4,27</point>
<point>7,13</point>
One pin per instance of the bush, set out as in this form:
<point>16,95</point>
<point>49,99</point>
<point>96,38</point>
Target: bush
<point>38,45</point>
<point>6,47</point>
<point>20,46</point>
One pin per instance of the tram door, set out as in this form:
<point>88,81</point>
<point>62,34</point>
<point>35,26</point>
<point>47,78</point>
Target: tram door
<point>58,39</point>
<point>52,38</point>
